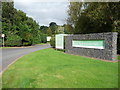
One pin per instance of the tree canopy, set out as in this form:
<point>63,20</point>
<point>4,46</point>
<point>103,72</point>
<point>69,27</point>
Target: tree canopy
<point>53,27</point>
<point>18,27</point>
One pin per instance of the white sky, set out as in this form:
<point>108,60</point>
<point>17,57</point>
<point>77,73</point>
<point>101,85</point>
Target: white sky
<point>44,12</point>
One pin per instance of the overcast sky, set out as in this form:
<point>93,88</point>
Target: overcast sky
<point>44,12</point>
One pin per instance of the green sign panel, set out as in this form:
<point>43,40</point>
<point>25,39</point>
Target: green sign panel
<point>98,44</point>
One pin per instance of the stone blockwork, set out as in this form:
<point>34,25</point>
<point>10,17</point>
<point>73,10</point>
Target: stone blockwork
<point>108,53</point>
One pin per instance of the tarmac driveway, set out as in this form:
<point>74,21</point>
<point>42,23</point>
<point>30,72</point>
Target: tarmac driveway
<point>9,55</point>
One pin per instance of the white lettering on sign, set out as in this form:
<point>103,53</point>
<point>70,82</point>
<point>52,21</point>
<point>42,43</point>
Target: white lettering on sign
<point>98,44</point>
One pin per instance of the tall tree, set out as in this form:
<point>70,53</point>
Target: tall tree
<point>53,27</point>
<point>74,12</point>
<point>44,29</point>
<point>68,29</point>
<point>95,17</point>
<point>49,32</point>
<point>15,22</point>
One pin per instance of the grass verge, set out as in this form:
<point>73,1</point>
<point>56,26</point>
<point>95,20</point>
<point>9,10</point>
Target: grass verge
<point>0,82</point>
<point>23,46</point>
<point>5,47</point>
<point>49,68</point>
<point>42,43</point>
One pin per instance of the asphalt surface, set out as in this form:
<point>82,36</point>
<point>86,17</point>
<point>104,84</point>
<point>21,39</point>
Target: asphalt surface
<point>9,55</point>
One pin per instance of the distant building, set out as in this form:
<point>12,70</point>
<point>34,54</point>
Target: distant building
<point>48,38</point>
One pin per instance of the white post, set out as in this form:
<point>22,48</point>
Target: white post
<point>3,35</point>
<point>3,41</point>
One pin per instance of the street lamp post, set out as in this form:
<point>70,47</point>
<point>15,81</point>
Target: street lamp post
<point>3,35</point>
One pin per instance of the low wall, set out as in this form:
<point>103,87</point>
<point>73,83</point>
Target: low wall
<point>109,52</point>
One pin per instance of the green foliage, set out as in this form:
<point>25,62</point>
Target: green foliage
<point>13,40</point>
<point>49,32</point>
<point>26,43</point>
<point>95,17</point>
<point>52,41</point>
<point>68,29</point>
<point>83,25</point>
<point>117,29</point>
<point>16,23</point>
<point>60,30</point>
<point>43,38</point>
<point>74,12</point>
<point>44,29</point>
<point>53,26</point>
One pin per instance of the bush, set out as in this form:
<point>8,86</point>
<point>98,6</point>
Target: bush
<point>52,42</point>
<point>43,38</point>
<point>13,40</point>
<point>27,44</point>
<point>36,40</point>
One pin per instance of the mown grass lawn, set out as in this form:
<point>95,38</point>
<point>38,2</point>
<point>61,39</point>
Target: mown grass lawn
<point>5,47</point>
<point>0,82</point>
<point>49,68</point>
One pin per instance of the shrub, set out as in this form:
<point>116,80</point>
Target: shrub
<point>13,40</point>
<point>27,44</point>
<point>43,38</point>
<point>52,41</point>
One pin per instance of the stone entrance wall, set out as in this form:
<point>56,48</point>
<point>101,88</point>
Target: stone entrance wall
<point>108,53</point>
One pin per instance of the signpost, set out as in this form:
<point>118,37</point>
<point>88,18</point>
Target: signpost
<point>59,41</point>
<point>3,35</point>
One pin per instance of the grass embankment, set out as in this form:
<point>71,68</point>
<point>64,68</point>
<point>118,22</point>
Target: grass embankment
<point>5,47</point>
<point>49,68</point>
<point>24,46</point>
<point>43,43</point>
<point>0,82</point>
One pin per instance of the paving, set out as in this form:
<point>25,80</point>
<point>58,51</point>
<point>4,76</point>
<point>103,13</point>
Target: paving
<point>9,55</point>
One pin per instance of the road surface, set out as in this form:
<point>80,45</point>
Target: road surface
<point>9,55</point>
